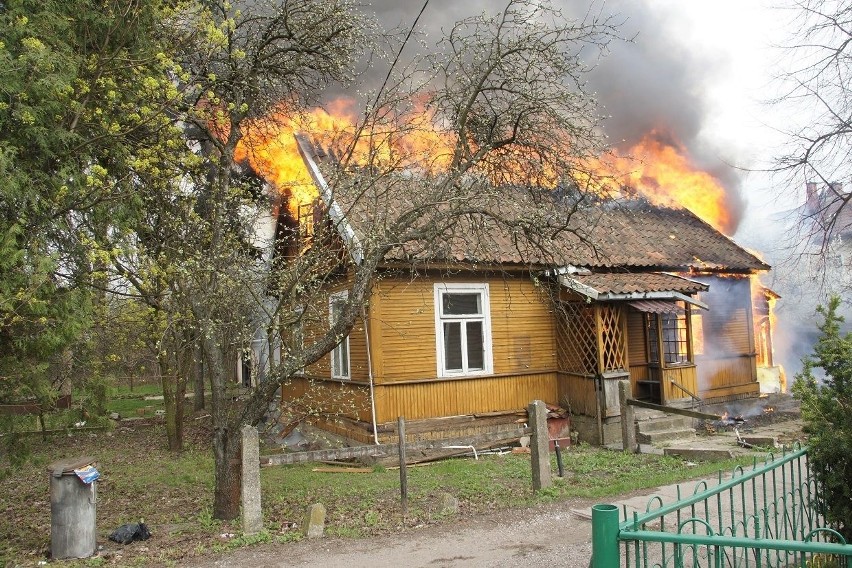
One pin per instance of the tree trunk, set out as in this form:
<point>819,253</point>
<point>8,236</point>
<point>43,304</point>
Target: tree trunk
<point>173,403</point>
<point>198,380</point>
<point>226,437</point>
<point>174,359</point>
<point>226,495</point>
<point>180,405</point>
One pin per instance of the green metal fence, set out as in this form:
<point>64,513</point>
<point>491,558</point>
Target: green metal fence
<point>766,515</point>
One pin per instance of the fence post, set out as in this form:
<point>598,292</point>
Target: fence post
<point>539,446</point>
<point>628,417</point>
<point>605,553</point>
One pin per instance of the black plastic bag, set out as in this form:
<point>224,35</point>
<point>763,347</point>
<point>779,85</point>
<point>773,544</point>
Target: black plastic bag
<point>125,534</point>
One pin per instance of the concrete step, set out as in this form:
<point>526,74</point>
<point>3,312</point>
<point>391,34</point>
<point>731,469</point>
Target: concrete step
<point>663,423</point>
<point>643,414</point>
<point>665,435</point>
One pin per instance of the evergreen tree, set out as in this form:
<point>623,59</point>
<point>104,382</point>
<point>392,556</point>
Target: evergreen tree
<point>826,405</point>
<point>76,142</point>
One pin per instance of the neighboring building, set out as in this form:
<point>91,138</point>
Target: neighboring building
<point>811,248</point>
<point>459,336</point>
<point>826,224</point>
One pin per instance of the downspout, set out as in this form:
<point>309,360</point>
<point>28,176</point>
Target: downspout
<point>370,375</point>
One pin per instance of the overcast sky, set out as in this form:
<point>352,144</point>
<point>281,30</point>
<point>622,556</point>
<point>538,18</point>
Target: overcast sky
<point>740,42</point>
<point>726,54</point>
<point>702,69</point>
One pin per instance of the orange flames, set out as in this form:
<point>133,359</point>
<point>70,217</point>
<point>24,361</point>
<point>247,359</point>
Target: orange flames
<point>663,174</point>
<point>659,171</point>
<point>410,141</point>
<point>270,148</point>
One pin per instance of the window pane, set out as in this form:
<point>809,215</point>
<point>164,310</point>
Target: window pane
<point>653,341</point>
<point>475,346</point>
<point>675,344</point>
<point>452,346</point>
<point>461,304</point>
<point>337,306</point>
<point>343,349</point>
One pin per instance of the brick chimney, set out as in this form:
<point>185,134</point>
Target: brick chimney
<point>811,198</point>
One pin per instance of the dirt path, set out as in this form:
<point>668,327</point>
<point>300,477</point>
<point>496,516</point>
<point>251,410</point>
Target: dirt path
<point>547,535</point>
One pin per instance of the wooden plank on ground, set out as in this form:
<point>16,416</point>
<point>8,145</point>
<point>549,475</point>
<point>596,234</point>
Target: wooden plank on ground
<point>487,440</point>
<point>343,469</point>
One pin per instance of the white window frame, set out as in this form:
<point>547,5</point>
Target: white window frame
<point>484,317</point>
<point>337,352</point>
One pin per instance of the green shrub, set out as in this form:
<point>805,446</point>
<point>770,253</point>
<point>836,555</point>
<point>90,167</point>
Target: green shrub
<point>826,406</point>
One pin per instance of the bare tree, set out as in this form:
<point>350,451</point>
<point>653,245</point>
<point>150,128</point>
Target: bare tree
<point>507,98</point>
<point>816,96</point>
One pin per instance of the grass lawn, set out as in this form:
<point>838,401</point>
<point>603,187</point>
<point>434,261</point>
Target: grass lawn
<point>132,403</point>
<point>173,493</point>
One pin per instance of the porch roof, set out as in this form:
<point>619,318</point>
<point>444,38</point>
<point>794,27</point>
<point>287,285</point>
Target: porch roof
<point>657,306</point>
<point>634,286</point>
<point>630,283</point>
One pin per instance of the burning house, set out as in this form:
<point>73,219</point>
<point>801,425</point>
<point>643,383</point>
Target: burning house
<point>459,337</point>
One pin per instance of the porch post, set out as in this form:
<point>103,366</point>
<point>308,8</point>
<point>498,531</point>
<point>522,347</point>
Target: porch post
<point>250,488</point>
<point>628,419</point>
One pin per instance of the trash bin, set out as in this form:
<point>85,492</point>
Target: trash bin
<point>72,508</point>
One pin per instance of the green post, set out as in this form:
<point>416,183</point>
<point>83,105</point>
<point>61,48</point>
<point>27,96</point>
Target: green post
<point>605,553</point>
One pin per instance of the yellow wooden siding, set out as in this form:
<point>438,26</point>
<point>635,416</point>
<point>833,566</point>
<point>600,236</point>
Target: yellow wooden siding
<point>732,392</point>
<point>522,327</point>
<point>402,316</point>
<point>685,376</point>
<point>727,360</point>
<point>727,357</point>
<point>455,397</point>
<point>325,397</point>
<point>728,372</point>
<point>403,324</point>
<point>579,392</point>
<point>639,373</point>
<point>358,369</point>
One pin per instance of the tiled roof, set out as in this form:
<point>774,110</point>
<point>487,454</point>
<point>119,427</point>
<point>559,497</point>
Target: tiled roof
<point>524,226</point>
<point>630,283</point>
<point>640,235</point>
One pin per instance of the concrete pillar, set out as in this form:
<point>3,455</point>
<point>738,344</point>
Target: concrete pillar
<point>314,524</point>
<point>628,418</point>
<point>539,446</point>
<point>252,516</point>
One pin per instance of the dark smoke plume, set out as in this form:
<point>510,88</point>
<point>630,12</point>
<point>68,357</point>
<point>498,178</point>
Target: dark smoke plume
<point>653,82</point>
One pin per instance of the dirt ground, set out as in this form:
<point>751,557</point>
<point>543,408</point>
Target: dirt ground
<point>542,536</point>
<point>547,535</point>
<point>538,536</point>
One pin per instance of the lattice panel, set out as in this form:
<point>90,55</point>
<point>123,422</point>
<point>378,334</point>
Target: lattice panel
<point>577,344</point>
<point>613,339</point>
